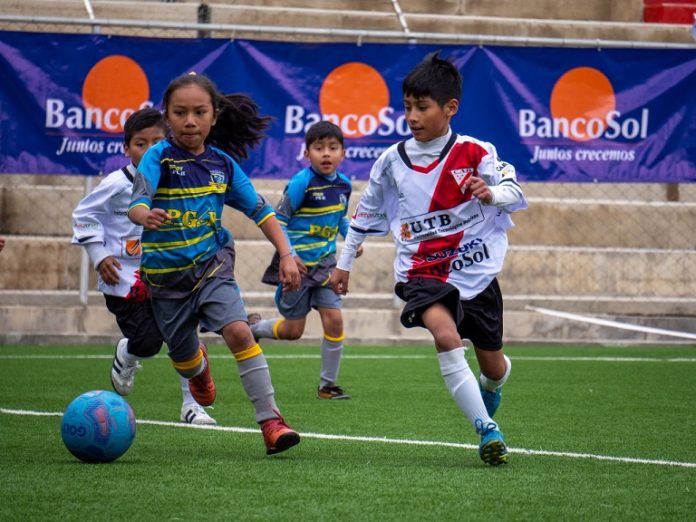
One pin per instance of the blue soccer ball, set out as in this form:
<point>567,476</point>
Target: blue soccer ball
<point>98,426</point>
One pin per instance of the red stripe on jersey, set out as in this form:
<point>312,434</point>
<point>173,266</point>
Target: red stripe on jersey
<point>446,196</point>
<point>425,170</point>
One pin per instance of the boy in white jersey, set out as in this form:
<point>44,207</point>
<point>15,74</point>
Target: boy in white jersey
<point>446,199</point>
<point>112,241</point>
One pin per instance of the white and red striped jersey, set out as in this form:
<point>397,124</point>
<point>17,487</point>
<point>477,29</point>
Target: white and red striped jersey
<point>441,231</point>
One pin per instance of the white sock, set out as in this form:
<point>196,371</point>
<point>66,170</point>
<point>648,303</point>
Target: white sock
<point>462,384</point>
<point>186,391</point>
<point>264,329</point>
<point>126,358</point>
<point>491,385</point>
<point>331,352</point>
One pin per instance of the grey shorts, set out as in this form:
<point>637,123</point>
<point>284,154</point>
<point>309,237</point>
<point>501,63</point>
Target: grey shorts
<point>296,305</point>
<point>212,306</point>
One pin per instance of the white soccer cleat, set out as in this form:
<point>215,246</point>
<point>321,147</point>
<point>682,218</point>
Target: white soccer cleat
<point>122,374</point>
<point>194,413</point>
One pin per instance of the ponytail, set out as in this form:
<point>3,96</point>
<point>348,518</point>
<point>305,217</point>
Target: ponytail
<point>239,126</point>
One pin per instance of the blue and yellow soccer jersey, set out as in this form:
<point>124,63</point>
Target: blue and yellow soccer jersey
<point>312,213</point>
<point>193,190</point>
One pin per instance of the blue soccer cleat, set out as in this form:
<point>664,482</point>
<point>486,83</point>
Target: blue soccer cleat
<point>491,399</point>
<point>492,448</point>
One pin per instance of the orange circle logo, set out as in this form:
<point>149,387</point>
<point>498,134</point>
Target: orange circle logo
<point>581,99</point>
<point>354,93</point>
<point>114,88</point>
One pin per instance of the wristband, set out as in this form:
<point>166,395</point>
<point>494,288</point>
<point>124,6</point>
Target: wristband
<point>285,255</point>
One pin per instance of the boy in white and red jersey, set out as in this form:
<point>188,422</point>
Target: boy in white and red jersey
<point>112,241</point>
<point>446,199</point>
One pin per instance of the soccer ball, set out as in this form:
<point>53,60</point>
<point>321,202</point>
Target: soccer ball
<point>98,426</point>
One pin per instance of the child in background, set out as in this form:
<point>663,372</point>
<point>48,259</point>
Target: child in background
<point>447,200</point>
<point>180,190</point>
<point>312,212</point>
<point>112,242</point>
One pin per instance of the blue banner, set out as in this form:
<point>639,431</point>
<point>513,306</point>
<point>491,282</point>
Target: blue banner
<point>557,114</point>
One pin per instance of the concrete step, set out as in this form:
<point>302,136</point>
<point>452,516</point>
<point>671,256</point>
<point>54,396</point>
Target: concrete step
<point>94,324</point>
<point>51,263</point>
<point>256,300</point>
<point>564,19</point>
<point>561,220</point>
<point>623,11</point>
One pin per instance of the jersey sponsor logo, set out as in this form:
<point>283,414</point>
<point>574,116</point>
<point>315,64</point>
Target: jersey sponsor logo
<point>446,253</point>
<point>450,260</point>
<point>318,195</point>
<point>368,215</point>
<point>132,246</point>
<point>438,224</point>
<point>324,231</point>
<point>177,170</point>
<point>191,218</point>
<point>504,168</point>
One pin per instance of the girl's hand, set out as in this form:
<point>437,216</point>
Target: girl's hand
<point>289,274</point>
<point>300,265</point>
<point>156,218</point>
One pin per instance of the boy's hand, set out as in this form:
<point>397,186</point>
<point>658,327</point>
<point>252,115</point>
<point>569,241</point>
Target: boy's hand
<point>288,274</point>
<point>155,218</point>
<point>300,265</point>
<point>479,189</point>
<point>339,281</point>
<point>359,252</point>
<point>109,269</point>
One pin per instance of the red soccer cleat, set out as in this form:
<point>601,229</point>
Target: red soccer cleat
<point>278,436</point>
<point>202,386</point>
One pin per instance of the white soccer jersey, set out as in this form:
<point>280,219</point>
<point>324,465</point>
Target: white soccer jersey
<point>440,231</point>
<point>101,225</point>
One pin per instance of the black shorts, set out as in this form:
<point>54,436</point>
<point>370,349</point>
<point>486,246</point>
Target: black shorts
<point>137,322</point>
<point>479,319</point>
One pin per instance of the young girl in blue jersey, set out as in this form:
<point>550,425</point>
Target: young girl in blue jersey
<point>112,242</point>
<point>179,193</point>
<point>312,212</point>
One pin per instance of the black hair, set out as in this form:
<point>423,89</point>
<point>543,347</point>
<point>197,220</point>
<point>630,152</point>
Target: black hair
<point>434,77</point>
<point>143,119</point>
<point>239,126</point>
<point>323,129</point>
